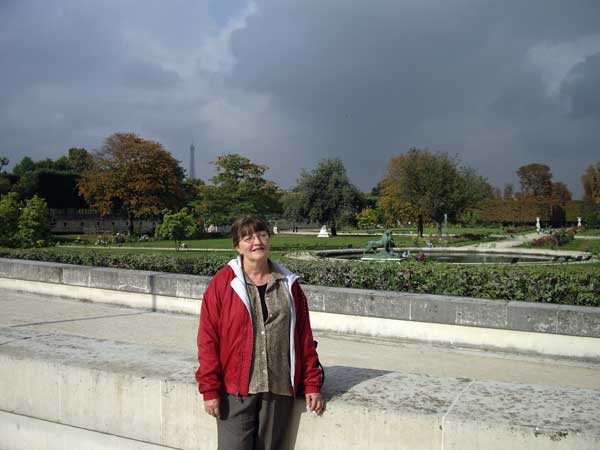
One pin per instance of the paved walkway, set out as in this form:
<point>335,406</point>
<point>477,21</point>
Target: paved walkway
<point>40,314</point>
<point>588,238</point>
<point>514,241</point>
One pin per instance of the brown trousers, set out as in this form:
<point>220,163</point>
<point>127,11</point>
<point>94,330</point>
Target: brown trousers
<point>256,422</point>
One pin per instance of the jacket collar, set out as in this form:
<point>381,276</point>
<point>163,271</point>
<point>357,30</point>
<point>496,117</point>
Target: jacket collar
<point>238,284</point>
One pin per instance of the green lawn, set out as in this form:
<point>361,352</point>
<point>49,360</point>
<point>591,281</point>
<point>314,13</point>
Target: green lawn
<point>433,230</point>
<point>583,245</point>
<point>591,232</point>
<point>281,242</point>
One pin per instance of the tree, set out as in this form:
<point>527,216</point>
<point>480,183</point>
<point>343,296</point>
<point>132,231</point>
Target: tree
<point>25,165</point>
<point>176,227</point>
<point>591,184</point>
<point>55,181</point>
<point>33,228</point>
<point>76,161</point>
<point>238,188</point>
<point>433,184</point>
<point>326,195</point>
<point>508,192</point>
<point>367,218</point>
<point>134,175</point>
<point>293,206</point>
<point>561,195</point>
<point>4,181</point>
<point>396,209</point>
<point>9,219</point>
<point>535,180</point>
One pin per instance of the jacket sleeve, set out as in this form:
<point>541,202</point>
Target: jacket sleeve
<point>311,374</point>
<point>209,373</point>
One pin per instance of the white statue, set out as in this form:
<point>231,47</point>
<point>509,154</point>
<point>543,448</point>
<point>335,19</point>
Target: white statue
<point>538,227</point>
<point>324,232</point>
<point>579,222</point>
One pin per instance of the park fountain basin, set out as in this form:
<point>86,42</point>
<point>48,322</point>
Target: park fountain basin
<point>456,255</point>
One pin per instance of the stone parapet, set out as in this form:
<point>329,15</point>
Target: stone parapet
<point>56,390</point>
<point>436,309</point>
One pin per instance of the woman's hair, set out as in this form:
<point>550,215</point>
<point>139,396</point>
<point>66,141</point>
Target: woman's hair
<point>246,226</point>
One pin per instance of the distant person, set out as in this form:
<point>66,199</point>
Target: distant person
<point>255,345</point>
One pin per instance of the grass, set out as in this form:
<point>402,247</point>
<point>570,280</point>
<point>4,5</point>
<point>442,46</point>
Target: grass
<point>280,242</point>
<point>433,231</point>
<point>583,245</point>
<point>591,232</point>
<point>580,245</point>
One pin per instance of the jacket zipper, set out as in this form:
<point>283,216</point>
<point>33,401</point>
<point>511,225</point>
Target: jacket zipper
<point>242,359</point>
<point>243,344</point>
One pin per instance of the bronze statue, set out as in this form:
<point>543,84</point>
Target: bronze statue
<point>386,241</point>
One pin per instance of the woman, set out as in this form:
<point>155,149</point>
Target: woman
<point>255,345</point>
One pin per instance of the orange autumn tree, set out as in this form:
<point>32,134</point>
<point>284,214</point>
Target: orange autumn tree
<point>134,175</point>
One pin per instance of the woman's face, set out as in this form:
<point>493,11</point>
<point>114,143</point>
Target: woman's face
<point>254,247</point>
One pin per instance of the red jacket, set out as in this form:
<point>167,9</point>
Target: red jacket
<point>225,336</point>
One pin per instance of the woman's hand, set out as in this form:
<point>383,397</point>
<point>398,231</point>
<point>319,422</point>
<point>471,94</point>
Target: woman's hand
<point>212,407</point>
<point>315,402</point>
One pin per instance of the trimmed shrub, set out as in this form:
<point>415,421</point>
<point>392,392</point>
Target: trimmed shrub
<point>546,284</point>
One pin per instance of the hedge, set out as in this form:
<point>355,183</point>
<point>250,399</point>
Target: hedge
<point>572,285</point>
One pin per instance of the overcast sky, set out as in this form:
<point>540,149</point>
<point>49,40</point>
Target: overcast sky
<point>289,82</point>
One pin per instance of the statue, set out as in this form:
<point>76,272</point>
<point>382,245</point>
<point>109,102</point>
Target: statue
<point>386,241</point>
<point>324,232</point>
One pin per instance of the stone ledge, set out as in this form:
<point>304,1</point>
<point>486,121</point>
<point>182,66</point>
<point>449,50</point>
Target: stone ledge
<point>141,393</point>
<point>497,314</point>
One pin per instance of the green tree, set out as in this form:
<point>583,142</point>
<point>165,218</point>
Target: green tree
<point>327,196</point>
<point>176,227</point>
<point>433,184</point>
<point>33,228</point>
<point>4,181</point>
<point>367,218</point>
<point>238,188</point>
<point>77,160</point>
<point>134,175</point>
<point>9,219</point>
<point>293,204</point>
<point>55,181</point>
<point>25,165</point>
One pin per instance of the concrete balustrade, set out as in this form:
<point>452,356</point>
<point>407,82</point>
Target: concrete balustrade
<point>546,329</point>
<point>64,392</point>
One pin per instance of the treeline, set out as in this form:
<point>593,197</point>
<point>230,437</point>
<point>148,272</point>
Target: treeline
<point>139,178</point>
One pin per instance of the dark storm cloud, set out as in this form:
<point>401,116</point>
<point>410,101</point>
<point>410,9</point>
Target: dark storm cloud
<point>501,84</point>
<point>76,71</point>
<point>372,80</point>
<point>583,88</point>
